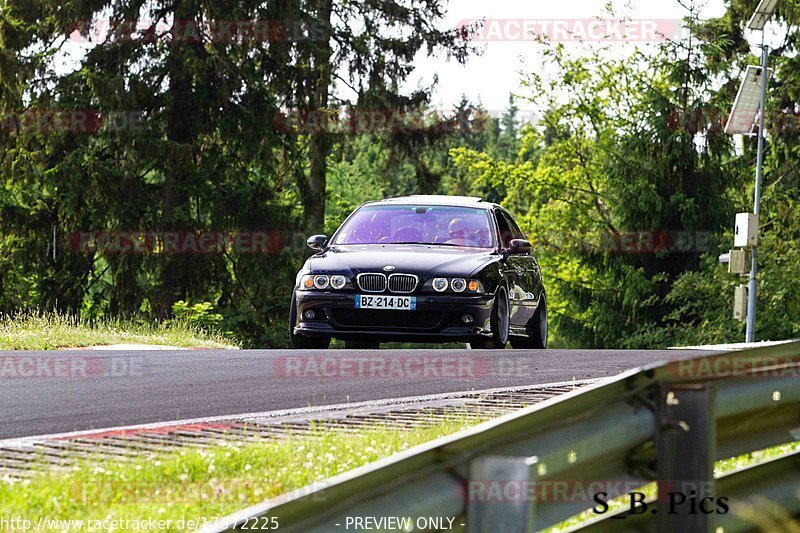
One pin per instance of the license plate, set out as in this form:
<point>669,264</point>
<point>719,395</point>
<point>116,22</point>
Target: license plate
<point>406,303</point>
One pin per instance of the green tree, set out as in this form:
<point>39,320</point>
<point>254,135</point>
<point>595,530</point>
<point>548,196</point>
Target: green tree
<point>508,138</point>
<point>621,176</point>
<point>198,148</point>
<point>369,48</point>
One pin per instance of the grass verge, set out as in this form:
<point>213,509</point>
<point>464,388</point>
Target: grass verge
<point>201,484</point>
<point>49,331</point>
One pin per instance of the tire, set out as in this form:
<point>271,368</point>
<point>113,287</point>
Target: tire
<point>362,345</point>
<point>299,341</point>
<point>537,330</point>
<point>499,323</point>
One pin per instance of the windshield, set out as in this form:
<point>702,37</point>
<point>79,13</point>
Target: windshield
<point>414,224</point>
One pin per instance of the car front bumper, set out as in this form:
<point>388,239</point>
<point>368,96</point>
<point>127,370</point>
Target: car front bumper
<point>437,317</point>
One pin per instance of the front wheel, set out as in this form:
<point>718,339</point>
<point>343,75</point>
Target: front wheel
<point>499,324</point>
<point>299,341</point>
<point>537,330</point>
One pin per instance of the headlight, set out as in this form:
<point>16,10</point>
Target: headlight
<point>439,284</point>
<point>322,281</point>
<point>457,285</point>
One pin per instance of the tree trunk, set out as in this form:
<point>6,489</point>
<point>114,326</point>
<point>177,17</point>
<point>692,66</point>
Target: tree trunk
<point>321,142</point>
<point>181,129</point>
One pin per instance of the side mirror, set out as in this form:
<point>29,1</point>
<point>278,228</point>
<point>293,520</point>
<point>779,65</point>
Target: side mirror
<point>519,246</point>
<point>316,242</point>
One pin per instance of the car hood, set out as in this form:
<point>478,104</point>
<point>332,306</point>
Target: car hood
<point>423,260</point>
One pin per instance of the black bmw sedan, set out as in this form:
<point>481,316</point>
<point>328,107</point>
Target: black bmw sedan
<point>425,269</point>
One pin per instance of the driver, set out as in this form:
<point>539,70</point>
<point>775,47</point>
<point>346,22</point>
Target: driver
<point>458,231</point>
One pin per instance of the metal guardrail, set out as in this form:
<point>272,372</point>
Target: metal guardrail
<point>666,423</point>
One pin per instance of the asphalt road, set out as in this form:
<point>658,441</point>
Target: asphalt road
<point>54,392</point>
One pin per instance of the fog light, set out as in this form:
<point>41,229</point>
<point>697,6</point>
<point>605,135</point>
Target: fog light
<point>309,314</point>
<point>467,318</point>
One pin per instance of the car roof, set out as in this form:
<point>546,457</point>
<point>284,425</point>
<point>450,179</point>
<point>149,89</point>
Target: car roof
<point>437,199</point>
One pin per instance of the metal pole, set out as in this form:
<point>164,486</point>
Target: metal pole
<point>686,446</point>
<point>751,286</point>
<point>513,516</point>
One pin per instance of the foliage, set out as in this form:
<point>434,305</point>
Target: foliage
<point>182,138</point>
<point>627,186</point>
<point>48,331</point>
<point>629,202</point>
<point>200,315</point>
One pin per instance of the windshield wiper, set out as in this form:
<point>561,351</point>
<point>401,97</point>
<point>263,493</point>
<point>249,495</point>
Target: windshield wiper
<point>433,244</point>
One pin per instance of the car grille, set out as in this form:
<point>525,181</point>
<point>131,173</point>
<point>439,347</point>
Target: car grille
<point>402,283</point>
<point>390,319</point>
<point>372,282</point>
<point>397,283</point>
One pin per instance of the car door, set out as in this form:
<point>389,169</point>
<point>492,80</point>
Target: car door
<point>528,277</point>
<point>513,271</point>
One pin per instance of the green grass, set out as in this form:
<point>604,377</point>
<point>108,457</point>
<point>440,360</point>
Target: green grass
<point>728,465</point>
<point>48,331</point>
<point>209,482</point>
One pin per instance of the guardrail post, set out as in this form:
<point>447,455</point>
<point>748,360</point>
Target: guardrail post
<point>685,451</point>
<point>500,494</point>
